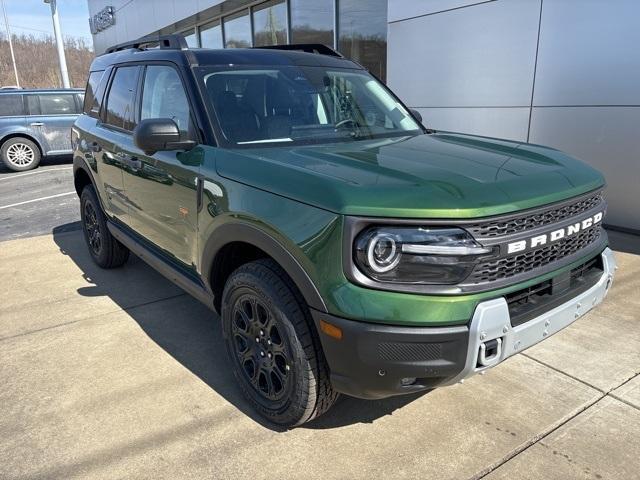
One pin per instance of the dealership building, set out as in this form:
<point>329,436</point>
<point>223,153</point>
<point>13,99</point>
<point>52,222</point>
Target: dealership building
<point>563,73</point>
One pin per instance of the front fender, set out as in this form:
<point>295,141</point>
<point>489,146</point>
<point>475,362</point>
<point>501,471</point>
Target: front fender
<point>242,232</point>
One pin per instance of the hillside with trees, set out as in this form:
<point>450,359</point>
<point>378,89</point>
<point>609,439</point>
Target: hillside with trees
<point>37,60</point>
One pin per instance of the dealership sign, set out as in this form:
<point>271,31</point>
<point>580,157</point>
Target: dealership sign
<point>102,20</point>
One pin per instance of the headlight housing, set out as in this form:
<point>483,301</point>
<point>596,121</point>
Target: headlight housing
<point>416,255</point>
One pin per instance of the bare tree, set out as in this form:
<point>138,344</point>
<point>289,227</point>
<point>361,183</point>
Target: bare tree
<point>38,64</point>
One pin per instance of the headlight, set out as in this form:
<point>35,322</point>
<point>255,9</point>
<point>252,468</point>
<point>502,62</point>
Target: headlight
<point>417,255</point>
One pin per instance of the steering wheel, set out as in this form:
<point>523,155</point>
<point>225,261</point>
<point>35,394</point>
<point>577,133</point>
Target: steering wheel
<point>342,123</point>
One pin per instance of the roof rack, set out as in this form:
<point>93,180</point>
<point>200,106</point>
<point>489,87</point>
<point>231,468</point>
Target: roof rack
<point>318,48</point>
<point>171,42</point>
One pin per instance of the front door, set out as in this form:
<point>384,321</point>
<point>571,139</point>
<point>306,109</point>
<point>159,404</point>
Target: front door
<point>115,138</point>
<point>162,188</point>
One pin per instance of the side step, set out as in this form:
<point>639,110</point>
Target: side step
<point>155,260</point>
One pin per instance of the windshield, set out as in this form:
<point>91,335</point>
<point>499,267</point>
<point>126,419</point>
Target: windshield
<point>300,105</point>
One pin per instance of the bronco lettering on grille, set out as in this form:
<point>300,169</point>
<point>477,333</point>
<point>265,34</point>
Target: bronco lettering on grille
<point>555,235</point>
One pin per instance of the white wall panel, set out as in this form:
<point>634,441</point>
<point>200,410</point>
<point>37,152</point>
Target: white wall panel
<point>482,55</point>
<point>402,9</point>
<point>510,123</point>
<point>606,138</point>
<point>589,53</point>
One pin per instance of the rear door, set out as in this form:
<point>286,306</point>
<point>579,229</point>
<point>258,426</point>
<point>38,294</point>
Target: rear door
<point>114,137</point>
<point>162,188</point>
<point>51,115</point>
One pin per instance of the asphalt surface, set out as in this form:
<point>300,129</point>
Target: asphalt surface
<point>34,202</point>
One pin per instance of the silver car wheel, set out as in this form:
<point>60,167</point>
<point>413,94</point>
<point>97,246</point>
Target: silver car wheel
<point>20,154</point>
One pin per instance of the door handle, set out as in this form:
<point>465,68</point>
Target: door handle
<point>36,124</point>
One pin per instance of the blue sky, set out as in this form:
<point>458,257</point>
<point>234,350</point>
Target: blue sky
<point>34,17</point>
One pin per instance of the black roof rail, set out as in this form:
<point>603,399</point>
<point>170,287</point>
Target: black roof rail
<point>318,48</point>
<point>171,42</point>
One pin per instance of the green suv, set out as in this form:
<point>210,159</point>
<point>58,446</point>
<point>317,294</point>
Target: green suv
<point>346,248</point>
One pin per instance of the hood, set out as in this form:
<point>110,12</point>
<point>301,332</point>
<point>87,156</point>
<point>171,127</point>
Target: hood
<point>424,176</point>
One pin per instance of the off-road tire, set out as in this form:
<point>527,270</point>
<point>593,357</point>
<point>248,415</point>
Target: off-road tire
<point>20,154</point>
<point>105,250</point>
<point>308,391</point>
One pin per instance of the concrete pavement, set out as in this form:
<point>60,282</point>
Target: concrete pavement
<point>119,374</point>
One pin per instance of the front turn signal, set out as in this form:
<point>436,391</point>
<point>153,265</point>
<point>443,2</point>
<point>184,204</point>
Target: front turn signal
<point>331,330</point>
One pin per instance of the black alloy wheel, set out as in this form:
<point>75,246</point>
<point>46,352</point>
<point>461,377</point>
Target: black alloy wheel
<point>260,349</point>
<point>92,229</point>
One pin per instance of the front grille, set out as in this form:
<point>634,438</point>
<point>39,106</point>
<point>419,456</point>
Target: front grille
<point>525,262</point>
<point>540,218</point>
<point>531,302</point>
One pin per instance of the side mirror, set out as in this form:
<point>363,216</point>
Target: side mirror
<point>416,114</point>
<point>159,134</point>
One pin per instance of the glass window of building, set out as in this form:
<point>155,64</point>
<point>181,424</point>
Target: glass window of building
<point>312,21</point>
<point>191,38</point>
<point>211,35</point>
<point>270,23</point>
<point>362,33</point>
<point>237,31</point>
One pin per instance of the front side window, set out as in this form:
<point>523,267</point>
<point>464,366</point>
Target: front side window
<point>301,105</point>
<point>58,104</point>
<point>163,96</point>
<point>121,97</point>
<point>11,105</point>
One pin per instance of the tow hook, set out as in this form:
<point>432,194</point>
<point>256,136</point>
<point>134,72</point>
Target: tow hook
<point>490,352</point>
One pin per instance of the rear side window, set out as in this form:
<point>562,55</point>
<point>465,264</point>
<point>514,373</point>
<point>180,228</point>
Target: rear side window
<point>58,104</point>
<point>11,105</point>
<point>93,94</point>
<point>121,97</point>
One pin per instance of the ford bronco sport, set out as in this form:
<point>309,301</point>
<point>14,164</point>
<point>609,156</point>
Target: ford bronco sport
<point>346,247</point>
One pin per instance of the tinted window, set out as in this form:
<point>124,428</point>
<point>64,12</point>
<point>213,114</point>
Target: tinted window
<point>92,94</point>
<point>121,96</point>
<point>11,105</point>
<point>58,104</point>
<point>237,31</point>
<point>301,105</point>
<point>211,35</point>
<point>33,105</point>
<point>269,23</point>
<point>312,21</point>
<point>163,96</point>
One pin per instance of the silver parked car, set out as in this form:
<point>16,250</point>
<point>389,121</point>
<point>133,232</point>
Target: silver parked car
<point>36,123</point>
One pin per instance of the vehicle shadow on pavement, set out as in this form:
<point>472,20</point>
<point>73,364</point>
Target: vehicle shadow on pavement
<point>44,162</point>
<point>190,332</point>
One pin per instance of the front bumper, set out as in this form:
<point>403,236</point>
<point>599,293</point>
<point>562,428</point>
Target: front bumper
<point>376,361</point>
